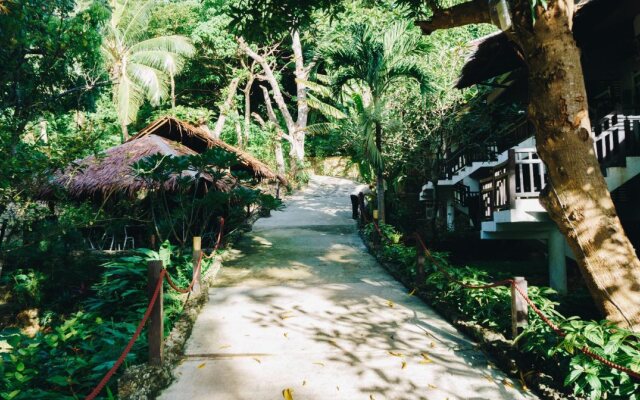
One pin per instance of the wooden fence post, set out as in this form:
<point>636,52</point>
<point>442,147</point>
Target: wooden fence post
<point>156,321</point>
<point>361,210</point>
<point>420,259</point>
<point>519,307</point>
<point>196,259</point>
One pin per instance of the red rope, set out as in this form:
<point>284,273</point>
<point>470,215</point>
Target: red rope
<point>163,275</point>
<point>218,241</point>
<point>585,350</point>
<point>133,339</point>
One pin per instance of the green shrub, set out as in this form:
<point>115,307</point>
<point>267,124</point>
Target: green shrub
<point>491,308</point>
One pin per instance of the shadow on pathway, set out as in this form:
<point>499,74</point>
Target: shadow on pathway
<point>302,305</point>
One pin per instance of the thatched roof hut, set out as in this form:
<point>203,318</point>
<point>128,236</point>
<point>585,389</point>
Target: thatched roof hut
<point>199,140</point>
<point>605,27</point>
<point>111,172</point>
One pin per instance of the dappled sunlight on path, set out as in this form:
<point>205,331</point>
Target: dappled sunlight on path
<point>302,305</point>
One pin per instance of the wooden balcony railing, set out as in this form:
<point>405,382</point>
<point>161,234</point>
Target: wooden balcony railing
<point>522,176</point>
<point>487,151</point>
<point>616,137</point>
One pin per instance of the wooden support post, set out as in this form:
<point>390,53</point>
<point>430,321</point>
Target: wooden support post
<point>420,260</point>
<point>519,307</point>
<point>195,259</point>
<point>511,180</point>
<point>156,321</point>
<point>361,210</point>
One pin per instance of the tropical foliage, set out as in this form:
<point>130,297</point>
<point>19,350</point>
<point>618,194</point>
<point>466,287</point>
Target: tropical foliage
<point>140,67</point>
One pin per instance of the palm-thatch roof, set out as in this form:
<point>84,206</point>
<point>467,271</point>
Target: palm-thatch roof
<point>604,26</point>
<point>111,172</point>
<point>199,140</point>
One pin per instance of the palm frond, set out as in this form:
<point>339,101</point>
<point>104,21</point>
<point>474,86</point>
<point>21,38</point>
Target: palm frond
<point>128,99</point>
<point>138,22</point>
<point>412,71</point>
<point>322,90</point>
<point>326,109</point>
<point>371,152</point>
<point>175,44</point>
<point>151,81</point>
<point>321,128</point>
<point>158,59</point>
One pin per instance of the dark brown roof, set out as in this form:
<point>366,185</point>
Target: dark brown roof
<point>199,140</point>
<point>111,171</point>
<point>594,21</point>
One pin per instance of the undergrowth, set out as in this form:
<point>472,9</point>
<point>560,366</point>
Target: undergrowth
<point>491,308</point>
<point>72,352</point>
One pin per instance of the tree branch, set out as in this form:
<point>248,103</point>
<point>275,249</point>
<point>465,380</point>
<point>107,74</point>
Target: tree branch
<point>275,86</point>
<point>471,12</point>
<point>272,115</point>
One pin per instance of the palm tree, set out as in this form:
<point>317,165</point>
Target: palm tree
<point>140,67</point>
<point>370,64</point>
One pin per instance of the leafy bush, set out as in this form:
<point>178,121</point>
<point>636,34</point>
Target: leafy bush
<point>70,356</point>
<point>491,308</point>
<point>27,287</point>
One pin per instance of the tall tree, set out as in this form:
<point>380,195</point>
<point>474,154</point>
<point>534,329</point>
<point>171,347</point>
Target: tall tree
<point>296,126</point>
<point>577,198</point>
<point>372,65</point>
<point>140,68</point>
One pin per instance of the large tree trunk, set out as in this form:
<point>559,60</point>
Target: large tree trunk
<point>578,199</point>
<point>280,165</point>
<point>380,177</point>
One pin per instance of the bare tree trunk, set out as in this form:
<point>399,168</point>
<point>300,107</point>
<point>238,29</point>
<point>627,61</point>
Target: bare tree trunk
<point>578,199</point>
<point>302,75</point>
<point>380,177</point>
<point>247,108</point>
<point>238,132</point>
<point>295,128</point>
<point>225,108</point>
<point>280,165</point>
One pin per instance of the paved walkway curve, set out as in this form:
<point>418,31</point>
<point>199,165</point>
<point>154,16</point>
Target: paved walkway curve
<point>303,306</point>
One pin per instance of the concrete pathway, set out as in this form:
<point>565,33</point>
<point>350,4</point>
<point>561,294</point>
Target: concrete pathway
<point>303,306</point>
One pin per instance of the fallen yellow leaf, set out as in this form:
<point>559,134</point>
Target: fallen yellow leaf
<point>257,360</point>
<point>319,363</point>
<point>395,354</point>
<point>287,394</point>
<point>432,344</point>
<point>411,293</point>
<point>201,365</point>
<point>226,346</point>
<point>507,383</point>
<point>432,386</point>
<point>404,365</point>
<point>286,335</point>
<point>390,303</point>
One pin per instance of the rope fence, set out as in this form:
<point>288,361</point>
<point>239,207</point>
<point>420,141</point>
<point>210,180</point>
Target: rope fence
<point>518,285</point>
<point>157,275</point>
